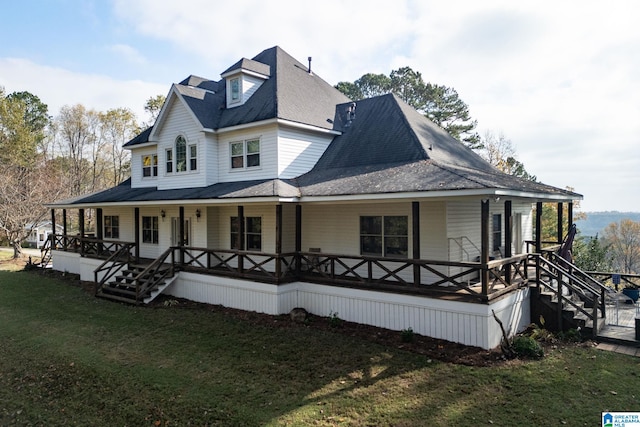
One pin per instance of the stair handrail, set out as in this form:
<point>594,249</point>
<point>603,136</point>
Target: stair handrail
<point>113,264</point>
<point>142,285</point>
<point>45,250</point>
<point>578,286</point>
<point>595,286</point>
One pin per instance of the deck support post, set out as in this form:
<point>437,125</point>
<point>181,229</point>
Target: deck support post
<point>415,222</point>
<point>484,247</point>
<point>570,213</point>
<point>508,235</point>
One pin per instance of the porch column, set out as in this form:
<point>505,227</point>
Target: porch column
<point>538,241</point>
<point>484,246</point>
<point>81,229</point>
<point>65,243</point>
<point>53,229</point>
<point>415,223</point>
<point>570,213</point>
<point>298,237</point>
<point>508,235</point>
<point>241,237</point>
<point>560,225</point>
<point>181,231</point>
<point>278,241</point>
<point>99,229</point>
<point>136,228</point>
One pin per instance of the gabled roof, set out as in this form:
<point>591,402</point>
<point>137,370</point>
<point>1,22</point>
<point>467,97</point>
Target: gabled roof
<point>285,94</point>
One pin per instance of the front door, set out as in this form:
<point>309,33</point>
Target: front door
<point>175,231</point>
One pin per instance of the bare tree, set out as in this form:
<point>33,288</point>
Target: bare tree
<point>118,126</point>
<point>623,239</point>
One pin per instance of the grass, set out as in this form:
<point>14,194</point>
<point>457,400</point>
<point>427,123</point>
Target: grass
<point>67,358</point>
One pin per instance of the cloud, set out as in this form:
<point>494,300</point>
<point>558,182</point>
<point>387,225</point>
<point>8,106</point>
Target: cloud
<point>128,53</point>
<point>57,87</point>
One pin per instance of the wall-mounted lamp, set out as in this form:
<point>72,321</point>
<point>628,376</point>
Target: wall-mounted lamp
<point>198,213</point>
<point>163,214</point>
<point>497,199</point>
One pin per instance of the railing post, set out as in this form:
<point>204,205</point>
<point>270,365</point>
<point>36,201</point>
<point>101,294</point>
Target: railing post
<point>560,303</point>
<point>595,317</point>
<point>415,223</point>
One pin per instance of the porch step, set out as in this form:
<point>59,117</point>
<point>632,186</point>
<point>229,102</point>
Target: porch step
<point>123,289</point>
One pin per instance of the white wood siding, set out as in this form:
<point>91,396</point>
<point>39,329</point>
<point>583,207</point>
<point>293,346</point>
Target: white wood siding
<point>125,220</point>
<point>179,121</point>
<point>137,181</point>
<point>250,84</point>
<point>268,154</point>
<point>298,151</point>
<point>208,159</point>
<point>466,323</point>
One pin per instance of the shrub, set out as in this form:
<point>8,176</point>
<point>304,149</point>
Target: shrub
<point>407,335</point>
<point>527,347</point>
<point>334,320</point>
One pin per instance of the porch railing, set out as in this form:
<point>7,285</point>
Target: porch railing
<point>88,246</point>
<point>276,268</point>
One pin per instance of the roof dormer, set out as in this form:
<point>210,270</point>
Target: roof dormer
<point>243,79</point>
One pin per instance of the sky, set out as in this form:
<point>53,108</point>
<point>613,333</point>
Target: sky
<point>560,79</point>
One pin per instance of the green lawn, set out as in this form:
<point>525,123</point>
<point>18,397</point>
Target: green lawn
<point>67,358</point>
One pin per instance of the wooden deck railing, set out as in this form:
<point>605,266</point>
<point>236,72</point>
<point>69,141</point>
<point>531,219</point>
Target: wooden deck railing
<point>88,246</point>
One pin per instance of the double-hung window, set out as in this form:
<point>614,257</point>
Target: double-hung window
<point>150,229</point>
<point>385,236</point>
<point>149,165</point>
<point>193,157</point>
<point>245,154</point>
<point>496,235</point>
<point>169,160</point>
<point>252,233</point>
<point>235,89</point>
<point>111,227</point>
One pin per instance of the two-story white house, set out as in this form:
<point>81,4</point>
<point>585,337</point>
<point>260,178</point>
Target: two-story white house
<point>269,189</point>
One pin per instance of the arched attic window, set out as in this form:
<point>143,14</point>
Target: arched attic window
<point>181,154</point>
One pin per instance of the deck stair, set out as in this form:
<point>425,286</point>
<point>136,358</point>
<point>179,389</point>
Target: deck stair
<point>136,283</point>
<point>133,285</point>
<point>572,298</point>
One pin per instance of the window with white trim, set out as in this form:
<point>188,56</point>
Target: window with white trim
<point>245,154</point>
<point>169,160</point>
<point>111,226</point>
<point>252,233</point>
<point>385,236</point>
<point>496,232</point>
<point>193,157</point>
<point>150,229</point>
<point>181,154</point>
<point>149,165</point>
<point>234,85</point>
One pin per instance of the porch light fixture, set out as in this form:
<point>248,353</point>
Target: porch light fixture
<point>163,214</point>
<point>198,214</point>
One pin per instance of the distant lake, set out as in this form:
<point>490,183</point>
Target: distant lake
<point>597,221</point>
